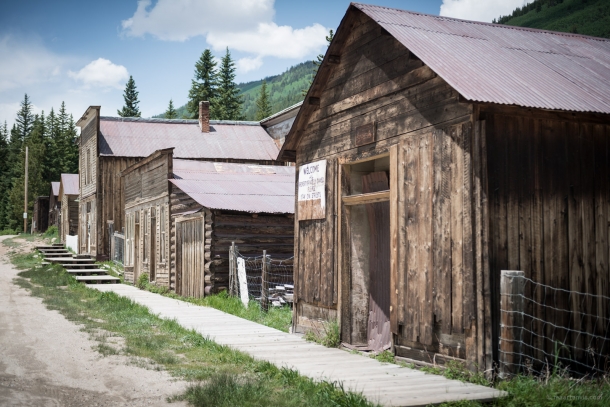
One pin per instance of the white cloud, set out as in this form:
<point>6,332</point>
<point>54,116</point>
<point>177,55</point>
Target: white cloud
<point>101,73</point>
<point>179,20</point>
<point>26,63</point>
<point>241,25</point>
<point>269,39</point>
<point>249,64</point>
<point>478,10</point>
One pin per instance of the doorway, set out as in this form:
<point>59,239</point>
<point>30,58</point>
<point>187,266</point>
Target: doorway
<point>136,249</point>
<point>366,203</point>
<point>153,245</point>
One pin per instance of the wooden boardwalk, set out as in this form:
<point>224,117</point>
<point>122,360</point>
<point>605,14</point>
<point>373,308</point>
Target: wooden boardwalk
<point>385,383</point>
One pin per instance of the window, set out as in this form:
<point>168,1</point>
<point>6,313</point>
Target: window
<point>88,168</point>
<point>129,236</point>
<point>162,234</point>
<point>145,220</point>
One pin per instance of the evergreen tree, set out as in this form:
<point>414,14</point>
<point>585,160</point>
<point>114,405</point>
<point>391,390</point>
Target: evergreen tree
<point>67,147</point>
<point>263,106</point>
<point>318,61</point>
<point>228,104</point>
<point>203,87</point>
<point>171,113</point>
<point>24,120</point>
<point>130,109</point>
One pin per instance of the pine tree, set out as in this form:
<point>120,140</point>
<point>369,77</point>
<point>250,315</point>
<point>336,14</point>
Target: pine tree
<point>25,119</point>
<point>130,109</point>
<point>4,175</point>
<point>228,104</point>
<point>263,107</point>
<point>203,87</point>
<point>171,113</point>
<point>318,61</point>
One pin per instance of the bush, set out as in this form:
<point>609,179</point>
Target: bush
<point>329,337</point>
<point>52,231</point>
<point>142,282</point>
<point>7,232</point>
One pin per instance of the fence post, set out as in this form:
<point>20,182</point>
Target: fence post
<point>512,284</point>
<point>232,270</point>
<point>264,284</point>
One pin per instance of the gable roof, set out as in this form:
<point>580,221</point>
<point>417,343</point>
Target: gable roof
<point>504,64</point>
<point>69,184</point>
<point>135,137</point>
<point>55,188</point>
<point>487,63</point>
<point>237,187</point>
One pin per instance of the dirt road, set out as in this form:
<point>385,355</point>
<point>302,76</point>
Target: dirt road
<point>45,360</point>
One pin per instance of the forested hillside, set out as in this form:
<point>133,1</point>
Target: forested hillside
<point>53,150</point>
<point>284,90</point>
<point>589,17</point>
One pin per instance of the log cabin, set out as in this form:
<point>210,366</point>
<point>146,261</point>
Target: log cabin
<point>54,205</point>
<point>108,145</point>
<point>182,216</point>
<point>431,154</point>
<point>68,215</point>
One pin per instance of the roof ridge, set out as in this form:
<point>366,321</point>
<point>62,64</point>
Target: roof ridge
<point>510,27</point>
<point>177,121</point>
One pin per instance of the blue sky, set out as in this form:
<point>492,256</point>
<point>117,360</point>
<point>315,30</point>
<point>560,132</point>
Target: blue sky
<point>82,52</point>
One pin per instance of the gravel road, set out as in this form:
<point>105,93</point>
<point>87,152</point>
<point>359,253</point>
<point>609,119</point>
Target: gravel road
<point>45,360</point>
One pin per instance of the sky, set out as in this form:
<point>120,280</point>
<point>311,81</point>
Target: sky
<point>83,52</point>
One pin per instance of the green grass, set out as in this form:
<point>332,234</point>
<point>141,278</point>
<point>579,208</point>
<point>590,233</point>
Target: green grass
<point>51,232</point>
<point>219,372</point>
<point>329,335</point>
<point>6,232</point>
<point>277,317</point>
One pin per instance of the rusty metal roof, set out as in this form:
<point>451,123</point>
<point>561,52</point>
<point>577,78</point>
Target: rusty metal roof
<point>134,137</point>
<point>237,187</point>
<point>503,64</point>
<point>70,184</point>
<point>55,188</point>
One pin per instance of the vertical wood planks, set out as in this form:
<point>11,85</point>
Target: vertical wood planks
<point>457,190</point>
<point>411,286</point>
<point>424,234</point>
<point>394,239</point>
<point>467,256</point>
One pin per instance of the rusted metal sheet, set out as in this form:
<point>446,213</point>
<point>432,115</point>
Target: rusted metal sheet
<point>132,137</point>
<point>504,64</point>
<point>69,183</point>
<point>238,187</point>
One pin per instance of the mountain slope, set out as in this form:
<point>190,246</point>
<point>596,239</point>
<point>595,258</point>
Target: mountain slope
<point>284,90</point>
<point>589,17</point>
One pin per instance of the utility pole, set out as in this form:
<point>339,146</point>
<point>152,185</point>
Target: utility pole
<point>25,199</point>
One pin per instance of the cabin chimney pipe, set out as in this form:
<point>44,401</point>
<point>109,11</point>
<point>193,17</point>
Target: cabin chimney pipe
<point>204,116</point>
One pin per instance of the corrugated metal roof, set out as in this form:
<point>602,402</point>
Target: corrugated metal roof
<point>70,184</point>
<point>237,187</point>
<point>504,64</point>
<point>129,137</point>
<point>55,188</point>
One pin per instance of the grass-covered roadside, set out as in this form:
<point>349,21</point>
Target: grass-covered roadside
<point>221,376</point>
<point>277,317</point>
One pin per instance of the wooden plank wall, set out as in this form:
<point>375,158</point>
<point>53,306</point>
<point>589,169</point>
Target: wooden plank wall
<point>110,199</point>
<point>378,81</point>
<point>549,183</point>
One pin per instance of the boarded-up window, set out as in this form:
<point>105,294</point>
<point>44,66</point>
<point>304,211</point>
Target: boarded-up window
<point>129,232</point>
<point>88,168</point>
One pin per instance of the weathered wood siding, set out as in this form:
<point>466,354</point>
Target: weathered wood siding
<point>379,82</point>
<point>549,183</point>
<point>251,233</point>
<point>69,216</point>
<point>110,199</point>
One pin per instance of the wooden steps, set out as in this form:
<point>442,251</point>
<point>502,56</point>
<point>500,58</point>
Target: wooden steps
<point>83,268</point>
<point>99,279</point>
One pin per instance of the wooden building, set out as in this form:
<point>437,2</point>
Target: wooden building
<point>108,145</point>
<point>433,153</point>
<point>278,125</point>
<point>54,205</point>
<point>68,196</point>
<point>182,216</point>
<point>40,215</point>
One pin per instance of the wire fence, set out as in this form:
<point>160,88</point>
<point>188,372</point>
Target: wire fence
<point>261,278</point>
<point>118,248</point>
<point>546,328</point>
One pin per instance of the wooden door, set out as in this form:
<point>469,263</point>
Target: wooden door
<point>191,254</point>
<point>378,333</point>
